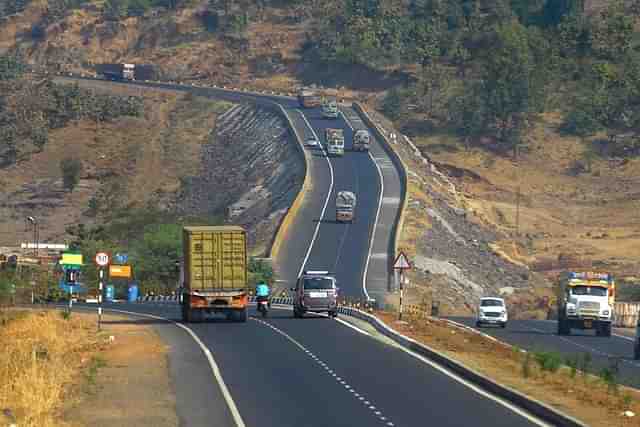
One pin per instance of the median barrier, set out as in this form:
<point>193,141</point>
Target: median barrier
<point>534,407</point>
<point>402,171</point>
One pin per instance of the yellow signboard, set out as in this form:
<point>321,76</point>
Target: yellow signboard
<point>120,271</point>
<point>71,259</point>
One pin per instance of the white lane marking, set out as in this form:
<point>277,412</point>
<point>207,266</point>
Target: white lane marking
<point>587,348</point>
<point>212,363</point>
<point>326,202</point>
<point>340,380</point>
<point>375,223</point>
<point>469,385</point>
<point>347,324</point>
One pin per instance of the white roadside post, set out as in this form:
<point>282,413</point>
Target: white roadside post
<point>102,260</point>
<point>401,264</point>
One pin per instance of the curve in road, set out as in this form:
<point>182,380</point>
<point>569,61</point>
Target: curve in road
<point>277,369</point>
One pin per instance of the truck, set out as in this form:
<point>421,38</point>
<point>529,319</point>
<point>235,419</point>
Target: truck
<point>126,71</point>
<point>335,141</point>
<point>309,98</point>
<point>361,140</point>
<point>214,272</point>
<point>345,206</point>
<point>330,108</point>
<point>585,301</point>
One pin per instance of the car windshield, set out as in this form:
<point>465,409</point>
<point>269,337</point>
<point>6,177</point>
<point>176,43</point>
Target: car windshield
<point>491,303</point>
<point>595,291</point>
<point>313,283</point>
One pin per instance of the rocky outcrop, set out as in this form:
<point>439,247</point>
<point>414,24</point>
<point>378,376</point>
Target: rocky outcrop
<point>250,173</point>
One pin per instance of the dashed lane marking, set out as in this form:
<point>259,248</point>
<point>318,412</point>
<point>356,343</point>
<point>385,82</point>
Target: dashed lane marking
<point>375,411</point>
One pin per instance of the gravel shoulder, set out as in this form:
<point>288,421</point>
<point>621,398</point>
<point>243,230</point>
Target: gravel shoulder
<point>128,383</point>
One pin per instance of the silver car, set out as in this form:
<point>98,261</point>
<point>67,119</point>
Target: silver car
<point>312,142</point>
<point>315,292</point>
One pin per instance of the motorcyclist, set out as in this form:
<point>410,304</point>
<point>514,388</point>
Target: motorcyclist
<point>262,292</point>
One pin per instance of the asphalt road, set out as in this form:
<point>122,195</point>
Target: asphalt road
<point>316,371</point>
<point>541,335</point>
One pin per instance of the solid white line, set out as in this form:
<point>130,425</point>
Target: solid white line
<point>326,202</point>
<point>471,386</point>
<point>212,363</point>
<point>375,223</point>
<point>355,328</point>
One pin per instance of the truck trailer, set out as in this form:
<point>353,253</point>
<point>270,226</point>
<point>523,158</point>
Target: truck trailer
<point>214,273</point>
<point>308,98</point>
<point>335,141</point>
<point>585,301</point>
<point>126,71</point>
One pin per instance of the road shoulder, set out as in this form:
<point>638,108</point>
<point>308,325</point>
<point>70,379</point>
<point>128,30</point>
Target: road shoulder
<point>128,382</point>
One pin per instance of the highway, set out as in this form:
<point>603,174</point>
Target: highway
<point>541,335</point>
<point>316,371</point>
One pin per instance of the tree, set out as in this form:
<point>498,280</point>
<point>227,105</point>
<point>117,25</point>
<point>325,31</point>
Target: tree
<point>71,169</point>
<point>506,86</point>
<point>612,31</point>
<point>554,12</point>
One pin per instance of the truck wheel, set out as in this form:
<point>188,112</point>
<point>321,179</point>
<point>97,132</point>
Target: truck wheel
<point>604,330</point>
<point>636,350</point>
<point>241,315</point>
<point>333,314</point>
<point>563,327</point>
<point>296,313</point>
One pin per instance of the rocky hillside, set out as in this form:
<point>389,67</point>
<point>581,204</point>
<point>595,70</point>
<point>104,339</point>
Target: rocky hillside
<point>185,156</point>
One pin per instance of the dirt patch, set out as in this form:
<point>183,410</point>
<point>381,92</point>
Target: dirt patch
<point>584,397</point>
<point>129,384</point>
<point>127,162</point>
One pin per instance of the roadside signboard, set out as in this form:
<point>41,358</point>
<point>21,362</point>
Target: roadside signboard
<point>102,259</point>
<point>71,259</point>
<point>123,271</point>
<point>121,258</point>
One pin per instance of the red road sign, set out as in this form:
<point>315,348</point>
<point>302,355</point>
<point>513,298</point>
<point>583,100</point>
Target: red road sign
<point>401,262</point>
<point>102,259</point>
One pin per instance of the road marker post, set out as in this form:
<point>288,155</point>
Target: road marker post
<point>102,260</point>
<point>401,264</point>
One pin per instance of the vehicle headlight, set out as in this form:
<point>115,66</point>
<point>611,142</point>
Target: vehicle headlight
<point>571,307</point>
<point>605,312</point>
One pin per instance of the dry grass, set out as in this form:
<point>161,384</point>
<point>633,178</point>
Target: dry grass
<point>40,355</point>
<point>587,398</point>
<point>591,216</point>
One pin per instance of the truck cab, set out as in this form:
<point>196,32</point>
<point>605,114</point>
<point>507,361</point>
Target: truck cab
<point>345,206</point>
<point>330,109</point>
<point>315,292</point>
<point>585,301</point>
<point>361,140</point>
<point>335,141</point>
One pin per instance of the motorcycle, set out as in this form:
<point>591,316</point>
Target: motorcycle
<point>263,307</point>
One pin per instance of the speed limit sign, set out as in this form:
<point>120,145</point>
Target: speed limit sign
<point>102,259</point>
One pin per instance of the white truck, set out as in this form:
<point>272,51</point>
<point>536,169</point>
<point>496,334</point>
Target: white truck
<point>330,108</point>
<point>335,141</point>
<point>345,206</point>
<point>361,140</point>
<point>585,301</point>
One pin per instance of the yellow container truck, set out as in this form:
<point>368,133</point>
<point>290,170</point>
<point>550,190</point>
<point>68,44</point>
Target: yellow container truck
<point>214,273</point>
<point>585,301</point>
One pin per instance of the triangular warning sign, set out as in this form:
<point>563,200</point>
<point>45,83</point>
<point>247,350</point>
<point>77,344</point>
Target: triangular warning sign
<point>401,262</point>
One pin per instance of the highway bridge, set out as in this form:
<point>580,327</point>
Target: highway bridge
<point>315,371</point>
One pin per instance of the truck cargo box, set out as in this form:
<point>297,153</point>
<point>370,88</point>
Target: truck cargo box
<point>215,258</point>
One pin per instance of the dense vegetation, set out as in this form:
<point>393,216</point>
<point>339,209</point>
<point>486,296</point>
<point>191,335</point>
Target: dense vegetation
<point>487,68</point>
<point>153,241</point>
<point>30,108</point>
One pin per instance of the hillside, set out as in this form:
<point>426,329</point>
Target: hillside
<point>497,94</point>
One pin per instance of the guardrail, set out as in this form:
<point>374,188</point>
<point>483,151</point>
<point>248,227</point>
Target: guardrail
<point>535,407</point>
<point>402,171</point>
<point>625,314</point>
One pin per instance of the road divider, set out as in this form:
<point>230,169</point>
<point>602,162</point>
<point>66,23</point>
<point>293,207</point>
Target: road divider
<point>469,376</point>
<point>402,172</point>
